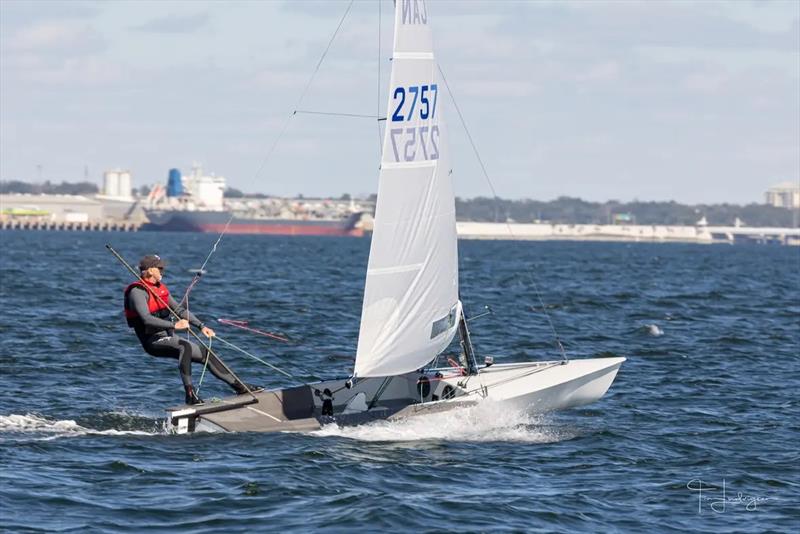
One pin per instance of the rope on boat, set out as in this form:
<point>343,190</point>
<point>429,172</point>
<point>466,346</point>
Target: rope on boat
<point>334,114</point>
<point>200,271</point>
<point>205,366</point>
<point>185,300</point>
<point>508,225</point>
<point>380,104</point>
<point>244,326</point>
<point>256,358</point>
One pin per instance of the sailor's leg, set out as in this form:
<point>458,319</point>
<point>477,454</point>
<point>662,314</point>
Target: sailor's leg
<point>218,369</point>
<point>185,360</point>
<point>174,347</point>
<point>181,349</point>
<point>214,365</point>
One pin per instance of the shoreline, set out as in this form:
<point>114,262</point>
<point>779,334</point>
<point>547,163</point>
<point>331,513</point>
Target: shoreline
<point>628,233</point>
<point>467,230</point>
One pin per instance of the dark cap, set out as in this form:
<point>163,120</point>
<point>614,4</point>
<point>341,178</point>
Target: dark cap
<point>153,260</point>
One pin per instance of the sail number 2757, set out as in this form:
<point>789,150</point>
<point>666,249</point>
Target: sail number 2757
<point>427,109</point>
<point>410,143</point>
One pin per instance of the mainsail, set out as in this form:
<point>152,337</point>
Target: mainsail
<point>411,308</point>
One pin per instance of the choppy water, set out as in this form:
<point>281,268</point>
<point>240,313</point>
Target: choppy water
<point>709,392</point>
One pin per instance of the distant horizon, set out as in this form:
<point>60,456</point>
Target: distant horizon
<point>138,184</point>
<point>365,196</point>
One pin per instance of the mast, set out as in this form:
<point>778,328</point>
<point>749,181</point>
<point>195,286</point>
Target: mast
<point>466,345</point>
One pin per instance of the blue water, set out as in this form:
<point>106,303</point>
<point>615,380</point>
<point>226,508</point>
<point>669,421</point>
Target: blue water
<point>709,393</point>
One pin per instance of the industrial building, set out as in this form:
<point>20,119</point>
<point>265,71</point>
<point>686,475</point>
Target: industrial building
<point>117,185</point>
<point>53,208</point>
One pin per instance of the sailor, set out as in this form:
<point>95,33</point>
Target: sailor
<point>150,318</point>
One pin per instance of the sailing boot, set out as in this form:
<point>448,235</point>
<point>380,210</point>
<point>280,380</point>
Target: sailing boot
<point>240,389</point>
<point>191,396</point>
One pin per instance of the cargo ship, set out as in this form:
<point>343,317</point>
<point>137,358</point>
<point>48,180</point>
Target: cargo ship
<point>196,203</point>
<point>215,222</point>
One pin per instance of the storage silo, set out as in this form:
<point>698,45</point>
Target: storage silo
<point>174,183</point>
<point>124,184</point>
<point>111,183</point>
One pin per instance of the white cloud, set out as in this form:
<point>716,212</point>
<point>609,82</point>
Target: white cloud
<point>60,37</point>
<point>604,71</point>
<point>706,82</point>
<point>87,71</point>
<point>174,24</point>
<point>15,14</point>
<point>489,88</point>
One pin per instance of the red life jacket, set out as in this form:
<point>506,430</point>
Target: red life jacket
<point>156,306</point>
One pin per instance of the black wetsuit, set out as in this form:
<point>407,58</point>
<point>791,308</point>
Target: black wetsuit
<point>158,338</point>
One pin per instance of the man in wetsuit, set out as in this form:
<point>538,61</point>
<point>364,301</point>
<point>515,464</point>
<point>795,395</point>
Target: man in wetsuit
<point>151,320</point>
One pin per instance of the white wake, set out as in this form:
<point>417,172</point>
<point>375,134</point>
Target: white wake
<point>487,421</point>
<point>46,428</point>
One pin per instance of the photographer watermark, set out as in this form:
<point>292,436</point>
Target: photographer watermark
<point>720,499</point>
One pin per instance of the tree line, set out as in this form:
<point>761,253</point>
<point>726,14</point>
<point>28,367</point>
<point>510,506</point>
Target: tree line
<point>48,188</point>
<point>563,210</point>
<point>567,210</point>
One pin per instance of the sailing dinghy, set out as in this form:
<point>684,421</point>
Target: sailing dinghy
<point>411,310</point>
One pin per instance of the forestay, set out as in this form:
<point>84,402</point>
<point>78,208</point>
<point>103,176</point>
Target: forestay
<point>411,310</point>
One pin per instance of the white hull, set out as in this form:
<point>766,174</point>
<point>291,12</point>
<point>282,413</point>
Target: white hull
<point>535,387</point>
<point>552,385</point>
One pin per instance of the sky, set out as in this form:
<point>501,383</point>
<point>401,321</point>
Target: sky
<point>697,102</point>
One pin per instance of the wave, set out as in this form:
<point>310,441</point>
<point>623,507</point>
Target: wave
<point>45,428</point>
<point>653,330</point>
<point>486,422</point>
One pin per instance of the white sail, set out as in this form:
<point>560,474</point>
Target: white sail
<point>411,309</point>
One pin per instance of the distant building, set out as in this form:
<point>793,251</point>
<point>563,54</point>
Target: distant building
<point>117,184</point>
<point>784,195</point>
<point>54,208</point>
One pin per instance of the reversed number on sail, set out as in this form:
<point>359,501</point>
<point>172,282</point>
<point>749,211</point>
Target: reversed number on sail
<point>409,143</point>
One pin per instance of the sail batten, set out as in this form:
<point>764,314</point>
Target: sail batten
<point>413,55</point>
<point>411,309</point>
<point>398,269</point>
<point>407,164</point>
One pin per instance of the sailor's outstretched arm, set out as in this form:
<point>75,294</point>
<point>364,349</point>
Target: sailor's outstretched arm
<point>183,313</point>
